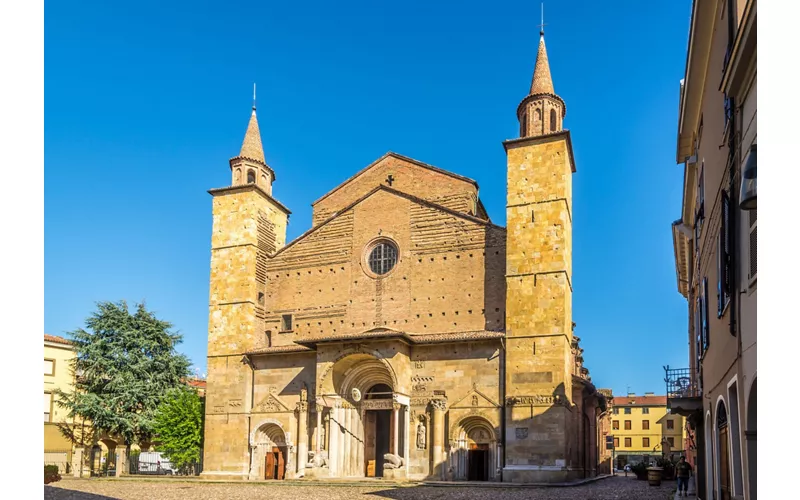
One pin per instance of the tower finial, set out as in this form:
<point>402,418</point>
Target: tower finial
<point>254,96</point>
<point>541,26</point>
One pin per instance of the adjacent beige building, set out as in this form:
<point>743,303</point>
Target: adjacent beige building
<point>405,335</point>
<point>58,354</point>
<point>715,243</point>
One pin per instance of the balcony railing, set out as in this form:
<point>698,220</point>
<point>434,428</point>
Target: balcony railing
<point>680,383</point>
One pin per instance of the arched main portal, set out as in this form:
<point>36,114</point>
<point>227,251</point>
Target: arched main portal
<point>473,450</point>
<point>270,455</point>
<point>750,435</point>
<point>367,421</point>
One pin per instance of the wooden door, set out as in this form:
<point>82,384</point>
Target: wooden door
<point>369,444</point>
<point>724,465</point>
<point>269,466</point>
<point>281,463</point>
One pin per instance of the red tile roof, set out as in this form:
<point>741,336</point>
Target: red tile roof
<point>640,401</point>
<point>196,382</point>
<point>280,349</point>
<point>56,339</point>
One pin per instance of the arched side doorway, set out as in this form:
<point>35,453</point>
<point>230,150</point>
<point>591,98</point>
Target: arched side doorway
<point>269,457</point>
<point>709,451</point>
<point>473,450</point>
<point>723,452</point>
<point>750,435</point>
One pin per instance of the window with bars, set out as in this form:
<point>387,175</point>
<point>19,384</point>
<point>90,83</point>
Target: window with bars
<point>704,315</point>
<point>382,258</point>
<point>286,323</point>
<point>48,407</point>
<point>645,411</point>
<point>752,247</point>
<point>724,258</point>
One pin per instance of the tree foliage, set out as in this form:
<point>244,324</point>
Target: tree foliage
<point>125,365</point>
<point>179,427</point>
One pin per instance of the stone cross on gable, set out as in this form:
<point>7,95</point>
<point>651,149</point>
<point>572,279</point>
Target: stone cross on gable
<point>390,179</point>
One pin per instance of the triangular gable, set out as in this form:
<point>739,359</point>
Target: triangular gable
<point>271,404</point>
<point>399,157</point>
<point>475,399</point>
<point>376,189</point>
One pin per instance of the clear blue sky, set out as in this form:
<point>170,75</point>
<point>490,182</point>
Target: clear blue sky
<point>146,101</point>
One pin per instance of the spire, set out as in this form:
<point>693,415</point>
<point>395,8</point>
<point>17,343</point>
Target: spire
<point>542,82</point>
<point>251,147</point>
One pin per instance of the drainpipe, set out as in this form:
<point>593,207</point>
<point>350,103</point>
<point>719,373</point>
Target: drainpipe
<point>733,208</point>
<point>503,406</point>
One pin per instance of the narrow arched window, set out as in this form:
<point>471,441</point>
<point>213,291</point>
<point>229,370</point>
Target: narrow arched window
<point>553,120</point>
<point>251,177</point>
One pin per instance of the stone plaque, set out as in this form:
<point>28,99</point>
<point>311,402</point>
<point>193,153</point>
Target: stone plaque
<point>522,432</point>
<point>533,377</point>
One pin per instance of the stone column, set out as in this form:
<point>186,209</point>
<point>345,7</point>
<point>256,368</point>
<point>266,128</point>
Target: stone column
<point>396,427</point>
<point>333,439</point>
<point>77,463</point>
<point>317,444</point>
<point>338,432</point>
<point>407,432</point>
<point>347,439</point>
<point>439,406</point>
<point>360,450</point>
<point>302,436</point>
<point>122,462</point>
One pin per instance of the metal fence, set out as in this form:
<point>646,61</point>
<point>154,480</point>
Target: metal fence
<point>60,458</point>
<point>102,463</point>
<point>159,463</point>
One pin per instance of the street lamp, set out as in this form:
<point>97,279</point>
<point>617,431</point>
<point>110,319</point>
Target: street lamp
<point>747,195</point>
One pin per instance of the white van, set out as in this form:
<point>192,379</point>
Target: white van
<point>153,462</point>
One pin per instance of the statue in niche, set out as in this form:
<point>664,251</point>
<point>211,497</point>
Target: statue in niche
<point>421,433</point>
<point>304,392</point>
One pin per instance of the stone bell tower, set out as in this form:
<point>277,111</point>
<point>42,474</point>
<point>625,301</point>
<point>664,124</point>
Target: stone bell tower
<point>538,375</point>
<point>249,226</point>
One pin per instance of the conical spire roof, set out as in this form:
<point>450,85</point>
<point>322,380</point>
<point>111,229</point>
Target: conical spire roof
<point>251,147</point>
<point>542,82</point>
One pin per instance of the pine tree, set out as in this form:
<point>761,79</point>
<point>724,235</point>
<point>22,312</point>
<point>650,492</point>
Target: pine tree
<point>125,366</point>
<point>179,427</point>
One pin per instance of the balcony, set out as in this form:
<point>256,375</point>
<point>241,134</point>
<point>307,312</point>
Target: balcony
<point>683,391</point>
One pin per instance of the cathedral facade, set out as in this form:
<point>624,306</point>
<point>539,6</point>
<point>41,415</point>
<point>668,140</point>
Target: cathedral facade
<point>405,335</point>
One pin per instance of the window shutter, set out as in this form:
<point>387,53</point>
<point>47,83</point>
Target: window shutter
<point>724,257</point>
<point>753,258</point>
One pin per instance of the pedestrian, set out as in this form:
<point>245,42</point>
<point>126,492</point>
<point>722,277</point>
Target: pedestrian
<point>684,470</point>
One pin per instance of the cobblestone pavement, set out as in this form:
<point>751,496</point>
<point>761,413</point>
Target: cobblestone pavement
<point>616,488</point>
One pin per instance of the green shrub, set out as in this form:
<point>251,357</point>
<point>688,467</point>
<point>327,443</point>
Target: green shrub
<point>51,474</point>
